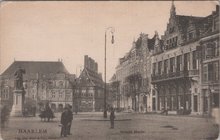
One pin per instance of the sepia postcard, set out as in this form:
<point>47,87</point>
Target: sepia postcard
<point>109,70</point>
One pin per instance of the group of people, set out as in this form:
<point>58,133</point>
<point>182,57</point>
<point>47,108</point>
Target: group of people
<point>66,121</point>
<point>46,113</point>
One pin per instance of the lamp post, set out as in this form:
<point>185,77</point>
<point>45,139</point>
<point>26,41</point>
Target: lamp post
<point>75,96</point>
<point>112,31</point>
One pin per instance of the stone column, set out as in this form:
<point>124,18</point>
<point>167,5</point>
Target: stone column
<point>17,103</point>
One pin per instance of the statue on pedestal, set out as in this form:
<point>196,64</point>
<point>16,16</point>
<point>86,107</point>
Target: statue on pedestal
<point>19,78</point>
<point>19,92</point>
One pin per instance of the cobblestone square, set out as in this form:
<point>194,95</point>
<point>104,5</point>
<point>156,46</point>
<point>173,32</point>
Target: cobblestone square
<point>128,126</point>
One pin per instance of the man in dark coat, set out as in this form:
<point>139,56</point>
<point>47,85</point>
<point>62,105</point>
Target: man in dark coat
<point>64,121</point>
<point>112,117</point>
<point>70,117</point>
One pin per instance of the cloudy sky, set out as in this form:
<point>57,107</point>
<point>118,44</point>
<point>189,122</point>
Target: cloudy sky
<point>47,31</point>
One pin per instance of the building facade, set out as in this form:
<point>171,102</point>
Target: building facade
<point>43,82</point>
<point>176,65</point>
<point>89,88</point>
<point>133,76</point>
<point>210,61</point>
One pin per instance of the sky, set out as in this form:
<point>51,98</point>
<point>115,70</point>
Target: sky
<point>68,30</point>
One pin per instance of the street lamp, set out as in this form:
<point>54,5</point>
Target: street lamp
<point>75,96</point>
<point>112,30</point>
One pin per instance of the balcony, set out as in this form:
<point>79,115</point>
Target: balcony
<point>174,75</point>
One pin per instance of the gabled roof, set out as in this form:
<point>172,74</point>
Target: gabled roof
<point>90,78</point>
<point>45,67</point>
<point>183,21</point>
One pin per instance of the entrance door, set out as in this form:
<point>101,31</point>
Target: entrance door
<point>195,100</point>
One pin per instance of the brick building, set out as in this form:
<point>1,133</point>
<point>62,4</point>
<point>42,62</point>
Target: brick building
<point>43,82</point>
<point>210,61</point>
<point>176,65</point>
<point>89,95</point>
<point>133,76</point>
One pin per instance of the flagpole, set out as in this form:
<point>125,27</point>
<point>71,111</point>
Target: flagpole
<point>112,31</point>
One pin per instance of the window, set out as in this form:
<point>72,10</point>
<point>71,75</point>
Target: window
<point>178,63</point>
<point>159,67</point>
<point>215,71</point>
<point>205,73</point>
<point>60,94</point>
<point>171,30</point>
<point>68,96</point>
<point>210,72</point>
<point>53,94</point>
<point>194,60</point>
<point>61,84</point>
<point>165,66</point>
<point>154,68</point>
<point>172,64</point>
<point>186,61</point>
<point>210,50</point>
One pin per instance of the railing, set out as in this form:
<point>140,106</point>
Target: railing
<point>174,75</point>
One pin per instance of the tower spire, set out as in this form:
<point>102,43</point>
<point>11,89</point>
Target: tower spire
<point>173,9</point>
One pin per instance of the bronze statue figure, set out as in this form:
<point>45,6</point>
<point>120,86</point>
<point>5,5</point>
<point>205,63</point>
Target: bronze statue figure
<point>19,78</point>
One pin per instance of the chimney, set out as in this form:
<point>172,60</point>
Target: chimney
<point>93,65</point>
<point>96,67</point>
<point>85,61</point>
<point>217,8</point>
<point>89,63</point>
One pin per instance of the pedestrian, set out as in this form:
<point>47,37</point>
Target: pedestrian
<point>64,122</point>
<point>70,118</point>
<point>142,109</point>
<point>112,117</point>
<point>76,109</point>
<point>4,116</point>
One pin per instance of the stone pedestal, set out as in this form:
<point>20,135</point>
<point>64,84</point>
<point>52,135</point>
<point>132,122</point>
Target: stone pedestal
<point>17,103</point>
